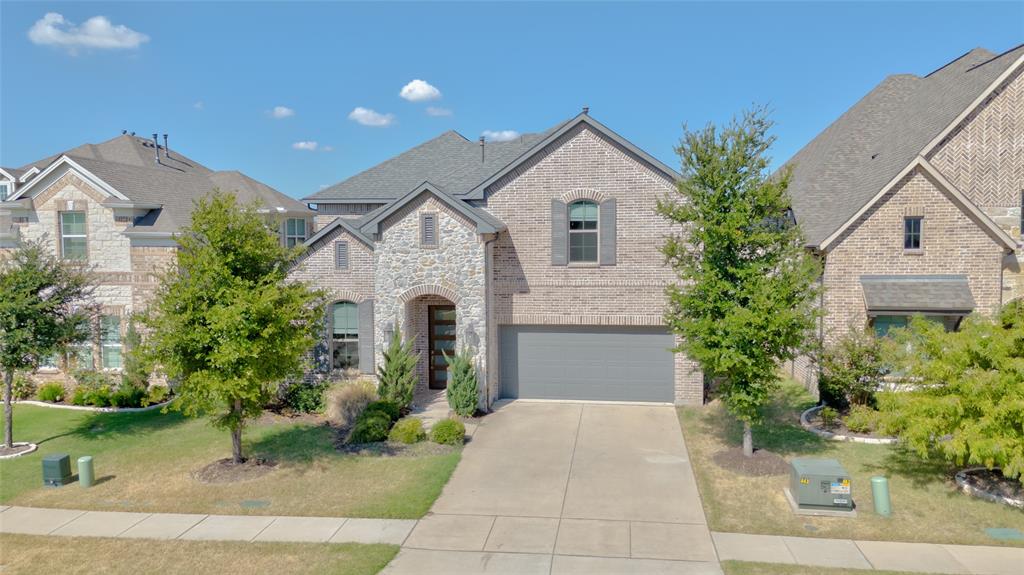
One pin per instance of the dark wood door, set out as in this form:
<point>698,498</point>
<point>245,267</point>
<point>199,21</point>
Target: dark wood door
<point>442,340</point>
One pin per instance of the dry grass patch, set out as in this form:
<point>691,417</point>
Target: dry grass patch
<point>926,504</point>
<point>147,461</point>
<point>32,554</point>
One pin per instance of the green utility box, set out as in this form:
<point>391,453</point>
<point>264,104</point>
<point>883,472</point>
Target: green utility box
<point>56,469</point>
<point>820,484</point>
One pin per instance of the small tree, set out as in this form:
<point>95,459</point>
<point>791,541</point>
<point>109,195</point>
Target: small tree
<point>226,324</point>
<point>43,309</point>
<point>462,387</point>
<point>745,300</point>
<point>135,372</point>
<point>851,369</point>
<point>967,403</point>
<point>397,375</point>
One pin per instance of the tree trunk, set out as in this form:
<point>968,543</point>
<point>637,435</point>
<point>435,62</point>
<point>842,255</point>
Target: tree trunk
<point>8,409</point>
<point>748,440</point>
<point>236,434</point>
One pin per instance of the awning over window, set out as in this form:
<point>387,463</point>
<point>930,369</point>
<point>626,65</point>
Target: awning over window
<point>928,295</point>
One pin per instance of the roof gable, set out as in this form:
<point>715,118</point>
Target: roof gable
<point>336,223</point>
<point>485,223</point>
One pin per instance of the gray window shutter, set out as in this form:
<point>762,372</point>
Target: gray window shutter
<point>341,255</point>
<point>428,229</point>
<point>559,233</point>
<point>366,336</point>
<point>607,232</point>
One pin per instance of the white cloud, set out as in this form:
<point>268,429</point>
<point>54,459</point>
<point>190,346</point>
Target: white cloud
<point>97,32</point>
<point>500,135</point>
<point>280,112</point>
<point>368,117</point>
<point>419,91</point>
<point>327,149</point>
<point>434,111</point>
<point>199,105</point>
<point>306,145</point>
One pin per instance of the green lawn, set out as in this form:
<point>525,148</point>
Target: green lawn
<point>747,568</point>
<point>926,505</point>
<point>143,462</point>
<point>34,554</point>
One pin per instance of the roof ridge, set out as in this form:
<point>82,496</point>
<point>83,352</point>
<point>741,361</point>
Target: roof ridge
<point>994,58</point>
<point>953,61</point>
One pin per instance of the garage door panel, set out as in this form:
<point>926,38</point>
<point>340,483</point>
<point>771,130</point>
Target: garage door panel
<point>595,363</point>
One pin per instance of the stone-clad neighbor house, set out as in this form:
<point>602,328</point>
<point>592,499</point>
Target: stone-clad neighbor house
<point>912,198</point>
<point>116,207</point>
<point>541,255</point>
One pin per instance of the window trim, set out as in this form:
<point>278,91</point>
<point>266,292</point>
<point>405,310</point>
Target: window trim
<point>84,235</point>
<point>8,190</point>
<point>909,234</point>
<point>299,238</point>
<point>117,343</point>
<point>596,233</point>
<point>433,217</point>
<point>350,338</point>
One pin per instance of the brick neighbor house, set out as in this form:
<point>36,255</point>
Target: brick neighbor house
<point>912,198</point>
<point>540,255</point>
<point>115,207</point>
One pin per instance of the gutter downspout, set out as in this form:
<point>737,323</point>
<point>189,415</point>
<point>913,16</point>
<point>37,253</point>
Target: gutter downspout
<point>492,329</point>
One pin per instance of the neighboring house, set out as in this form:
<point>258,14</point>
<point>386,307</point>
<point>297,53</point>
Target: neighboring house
<point>116,207</point>
<point>912,198</point>
<point>540,255</point>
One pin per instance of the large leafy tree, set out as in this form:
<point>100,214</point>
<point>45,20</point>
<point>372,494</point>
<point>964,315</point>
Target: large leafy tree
<point>44,306</point>
<point>967,400</point>
<point>226,325</point>
<point>745,299</point>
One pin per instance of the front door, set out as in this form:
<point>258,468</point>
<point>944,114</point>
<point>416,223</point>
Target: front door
<point>442,340</point>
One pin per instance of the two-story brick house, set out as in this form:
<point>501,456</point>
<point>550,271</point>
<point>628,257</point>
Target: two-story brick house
<point>541,255</point>
<point>116,207</point>
<point>912,198</point>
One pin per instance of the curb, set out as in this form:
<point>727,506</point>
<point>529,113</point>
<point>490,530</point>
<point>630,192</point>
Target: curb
<point>153,407</point>
<point>806,424</point>
<point>961,481</point>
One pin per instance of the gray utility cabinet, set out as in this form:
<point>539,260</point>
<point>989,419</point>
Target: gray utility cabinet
<point>820,484</point>
<point>56,470</point>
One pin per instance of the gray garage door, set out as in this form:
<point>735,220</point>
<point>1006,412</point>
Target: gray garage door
<point>595,363</point>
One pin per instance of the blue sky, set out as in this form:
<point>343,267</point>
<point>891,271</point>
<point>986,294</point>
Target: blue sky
<point>212,74</point>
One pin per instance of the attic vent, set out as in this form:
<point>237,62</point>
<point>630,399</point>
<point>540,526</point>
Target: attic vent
<point>124,219</point>
<point>428,230</point>
<point>341,255</point>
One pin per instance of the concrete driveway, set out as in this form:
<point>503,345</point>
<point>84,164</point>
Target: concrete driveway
<point>567,488</point>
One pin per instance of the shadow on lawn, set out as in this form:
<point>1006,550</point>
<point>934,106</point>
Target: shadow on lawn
<point>779,431</point>
<point>118,425</point>
<point>903,462</point>
<point>300,443</point>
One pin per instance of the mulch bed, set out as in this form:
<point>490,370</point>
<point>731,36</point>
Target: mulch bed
<point>763,463</point>
<point>226,471</point>
<point>838,427</point>
<point>5,451</point>
<point>995,483</point>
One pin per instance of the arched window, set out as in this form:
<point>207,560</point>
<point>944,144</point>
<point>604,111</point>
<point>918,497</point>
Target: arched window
<point>583,231</point>
<point>344,335</point>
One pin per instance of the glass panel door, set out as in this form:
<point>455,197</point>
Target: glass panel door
<point>442,340</point>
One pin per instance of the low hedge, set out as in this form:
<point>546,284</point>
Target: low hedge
<point>370,427</point>
<point>448,432</point>
<point>408,430</point>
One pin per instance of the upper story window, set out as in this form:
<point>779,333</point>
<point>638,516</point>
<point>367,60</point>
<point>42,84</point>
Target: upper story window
<point>72,236</point>
<point>428,230</point>
<point>912,233</point>
<point>294,231</point>
<point>344,335</point>
<point>583,231</point>
<point>5,190</point>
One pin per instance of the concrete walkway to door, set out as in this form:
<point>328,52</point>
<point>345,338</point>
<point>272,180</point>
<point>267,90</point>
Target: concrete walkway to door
<point>567,488</point>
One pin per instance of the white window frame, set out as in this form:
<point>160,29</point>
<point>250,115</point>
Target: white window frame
<point>596,232</point>
<point>299,239</point>
<point>350,338</point>
<point>118,344</point>
<point>8,189</point>
<point>63,236</point>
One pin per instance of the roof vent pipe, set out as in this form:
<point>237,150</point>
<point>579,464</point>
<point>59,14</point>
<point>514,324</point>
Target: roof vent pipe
<point>586,110</point>
<point>481,149</point>
<point>167,150</point>
<point>156,148</point>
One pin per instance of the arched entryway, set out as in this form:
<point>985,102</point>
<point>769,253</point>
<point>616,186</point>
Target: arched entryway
<point>432,322</point>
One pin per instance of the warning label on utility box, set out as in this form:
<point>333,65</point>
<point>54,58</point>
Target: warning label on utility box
<point>840,488</point>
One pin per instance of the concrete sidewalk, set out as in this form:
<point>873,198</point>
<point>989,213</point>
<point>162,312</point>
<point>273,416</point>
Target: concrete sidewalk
<point>40,521</point>
<point>881,555</point>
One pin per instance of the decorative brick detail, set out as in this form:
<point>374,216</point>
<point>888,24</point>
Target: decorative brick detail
<point>583,194</point>
<point>429,289</point>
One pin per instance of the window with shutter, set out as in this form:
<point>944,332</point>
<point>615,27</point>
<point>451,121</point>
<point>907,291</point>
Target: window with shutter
<point>428,230</point>
<point>341,255</point>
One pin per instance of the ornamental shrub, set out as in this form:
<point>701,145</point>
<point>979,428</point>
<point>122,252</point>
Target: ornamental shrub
<point>397,373</point>
<point>22,387</point>
<point>462,387</point>
<point>372,426</point>
<point>94,388</point>
<point>128,395</point>
<point>305,397</point>
<point>407,430</point>
<point>828,417</point>
<point>448,432</point>
<point>388,408</point>
<point>345,401</point>
<point>156,394</point>
<point>53,392</point>
<point>861,419</point>
<point>851,369</point>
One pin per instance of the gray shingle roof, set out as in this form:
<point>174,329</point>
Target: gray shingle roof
<point>127,163</point>
<point>450,161</point>
<point>917,293</point>
<point>841,169</point>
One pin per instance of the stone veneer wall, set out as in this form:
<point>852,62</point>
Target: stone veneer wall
<point>952,243</point>
<point>455,270</point>
<point>529,290</point>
